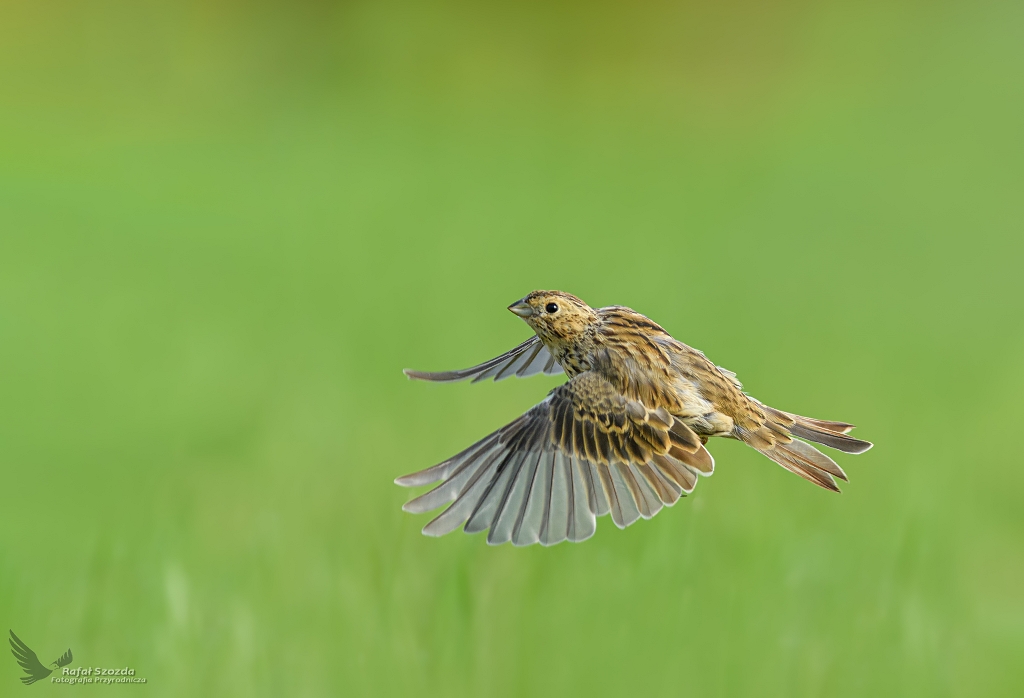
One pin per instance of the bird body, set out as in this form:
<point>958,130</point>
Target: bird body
<point>625,435</point>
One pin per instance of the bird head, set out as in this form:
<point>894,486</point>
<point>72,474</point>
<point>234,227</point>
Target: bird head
<point>558,318</point>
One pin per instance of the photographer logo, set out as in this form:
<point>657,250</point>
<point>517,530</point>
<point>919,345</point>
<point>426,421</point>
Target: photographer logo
<point>35,671</point>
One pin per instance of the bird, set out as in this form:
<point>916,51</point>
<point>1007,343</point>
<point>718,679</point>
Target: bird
<point>28,660</point>
<point>626,435</point>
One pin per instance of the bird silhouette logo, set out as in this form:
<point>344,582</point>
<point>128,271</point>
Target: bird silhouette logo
<point>28,660</point>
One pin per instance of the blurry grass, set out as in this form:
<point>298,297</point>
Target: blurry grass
<point>224,230</point>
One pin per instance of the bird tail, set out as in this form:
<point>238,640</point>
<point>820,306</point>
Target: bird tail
<point>775,440</point>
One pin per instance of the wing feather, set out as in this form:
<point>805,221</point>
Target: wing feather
<point>600,505</point>
<point>584,523</point>
<point>527,525</point>
<point>459,512</point>
<point>635,493</point>
<point>528,528</point>
<point>583,452</point>
<point>528,359</point>
<point>488,507</point>
<point>451,488</point>
<point>517,496</point>
<point>667,490</point>
<point>652,502</point>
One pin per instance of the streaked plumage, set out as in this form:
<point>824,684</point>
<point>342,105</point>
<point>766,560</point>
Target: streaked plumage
<point>625,435</point>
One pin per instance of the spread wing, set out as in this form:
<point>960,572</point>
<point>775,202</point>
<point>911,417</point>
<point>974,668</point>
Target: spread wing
<point>528,359</point>
<point>584,452</point>
<point>28,661</point>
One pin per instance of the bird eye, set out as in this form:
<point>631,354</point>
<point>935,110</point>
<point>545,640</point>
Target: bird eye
<point>551,307</point>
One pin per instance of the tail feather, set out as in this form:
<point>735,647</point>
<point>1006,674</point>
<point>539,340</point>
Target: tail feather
<point>840,442</point>
<point>813,457</point>
<point>788,458</point>
<point>832,434</point>
<point>775,440</point>
<point>838,427</point>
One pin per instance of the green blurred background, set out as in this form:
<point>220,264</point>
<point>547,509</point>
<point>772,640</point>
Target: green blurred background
<point>226,227</point>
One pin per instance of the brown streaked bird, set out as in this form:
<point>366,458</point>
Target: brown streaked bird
<point>625,435</point>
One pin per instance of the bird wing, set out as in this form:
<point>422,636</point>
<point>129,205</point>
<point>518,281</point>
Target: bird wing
<point>28,661</point>
<point>584,452</point>
<point>64,659</point>
<point>528,359</point>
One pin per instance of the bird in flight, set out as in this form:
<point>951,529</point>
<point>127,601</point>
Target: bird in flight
<point>28,660</point>
<point>625,435</point>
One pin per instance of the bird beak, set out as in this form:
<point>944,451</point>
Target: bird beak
<point>521,309</point>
